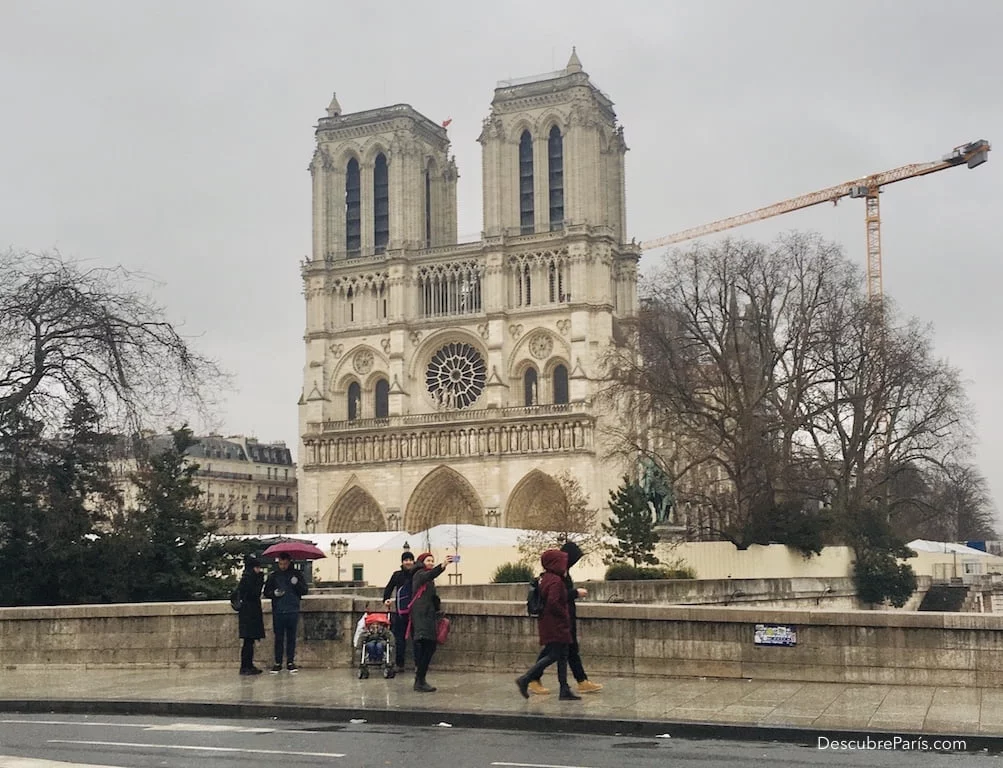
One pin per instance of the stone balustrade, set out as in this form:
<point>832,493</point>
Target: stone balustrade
<point>546,429</point>
<point>888,647</point>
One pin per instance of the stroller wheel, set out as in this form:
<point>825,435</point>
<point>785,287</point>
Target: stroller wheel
<point>389,672</point>
<point>363,673</point>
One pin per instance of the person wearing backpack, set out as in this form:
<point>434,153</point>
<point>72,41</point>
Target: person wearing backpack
<point>250,621</point>
<point>400,582</point>
<point>585,685</point>
<point>554,625</point>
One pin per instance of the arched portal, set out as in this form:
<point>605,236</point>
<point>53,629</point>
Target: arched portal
<point>537,502</point>
<point>355,510</point>
<point>443,496</point>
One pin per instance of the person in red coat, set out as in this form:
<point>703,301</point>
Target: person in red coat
<point>554,625</point>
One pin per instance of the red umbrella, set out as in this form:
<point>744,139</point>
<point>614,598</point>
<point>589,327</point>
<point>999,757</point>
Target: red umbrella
<point>297,550</point>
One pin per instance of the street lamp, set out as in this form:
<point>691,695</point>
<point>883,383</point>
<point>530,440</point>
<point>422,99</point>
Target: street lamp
<point>407,547</point>
<point>339,548</point>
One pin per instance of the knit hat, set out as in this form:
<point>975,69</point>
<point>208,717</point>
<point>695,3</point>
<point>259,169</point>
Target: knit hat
<point>407,556</point>
<point>422,556</point>
<point>252,561</point>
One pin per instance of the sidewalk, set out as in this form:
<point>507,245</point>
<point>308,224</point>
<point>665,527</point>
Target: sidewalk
<point>681,707</point>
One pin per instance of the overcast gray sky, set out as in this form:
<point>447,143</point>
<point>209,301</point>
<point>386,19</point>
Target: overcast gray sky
<point>173,137</point>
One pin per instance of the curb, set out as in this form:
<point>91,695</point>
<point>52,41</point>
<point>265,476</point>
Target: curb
<point>504,721</point>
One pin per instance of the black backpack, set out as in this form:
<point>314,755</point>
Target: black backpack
<point>534,599</point>
<point>236,601</point>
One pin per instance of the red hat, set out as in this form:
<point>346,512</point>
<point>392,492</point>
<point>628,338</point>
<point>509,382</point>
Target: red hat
<point>422,556</point>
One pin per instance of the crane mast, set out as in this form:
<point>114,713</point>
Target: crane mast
<point>972,155</point>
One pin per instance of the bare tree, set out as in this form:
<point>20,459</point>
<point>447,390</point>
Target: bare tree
<point>883,405</point>
<point>71,334</point>
<point>721,371</point>
<point>963,506</point>
<point>569,517</point>
<point>770,389</point>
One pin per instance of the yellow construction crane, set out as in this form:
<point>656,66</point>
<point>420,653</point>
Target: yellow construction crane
<point>972,154</point>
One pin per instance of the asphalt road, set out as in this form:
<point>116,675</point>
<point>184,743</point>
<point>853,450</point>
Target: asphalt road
<point>138,742</point>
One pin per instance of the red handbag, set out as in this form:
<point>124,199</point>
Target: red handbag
<point>442,630</point>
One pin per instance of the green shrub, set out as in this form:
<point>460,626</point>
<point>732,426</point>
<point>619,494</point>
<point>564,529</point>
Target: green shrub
<point>512,573</point>
<point>628,572</point>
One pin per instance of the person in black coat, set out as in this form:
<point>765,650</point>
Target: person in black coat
<point>424,614</point>
<point>400,582</point>
<point>285,587</point>
<point>585,685</point>
<point>250,621</point>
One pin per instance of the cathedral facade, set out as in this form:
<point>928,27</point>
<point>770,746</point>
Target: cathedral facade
<point>450,382</point>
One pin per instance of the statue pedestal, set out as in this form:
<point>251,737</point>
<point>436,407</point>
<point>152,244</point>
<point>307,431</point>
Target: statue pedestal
<point>669,531</point>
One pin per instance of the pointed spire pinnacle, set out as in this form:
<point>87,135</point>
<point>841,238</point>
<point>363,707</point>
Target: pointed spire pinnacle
<point>334,108</point>
<point>574,63</point>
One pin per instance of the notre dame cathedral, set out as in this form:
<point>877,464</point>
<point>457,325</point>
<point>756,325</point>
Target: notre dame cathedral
<point>449,382</point>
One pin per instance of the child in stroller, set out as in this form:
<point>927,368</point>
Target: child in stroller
<point>374,643</point>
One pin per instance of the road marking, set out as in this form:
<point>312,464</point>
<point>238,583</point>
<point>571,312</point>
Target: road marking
<point>192,748</point>
<point>35,762</point>
<point>537,765</point>
<point>196,727</point>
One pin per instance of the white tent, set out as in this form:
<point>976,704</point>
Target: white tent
<point>945,547</point>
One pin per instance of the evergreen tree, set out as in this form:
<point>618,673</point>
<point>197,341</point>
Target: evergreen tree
<point>21,490</point>
<point>168,531</point>
<point>878,574</point>
<point>80,502</point>
<point>632,525</point>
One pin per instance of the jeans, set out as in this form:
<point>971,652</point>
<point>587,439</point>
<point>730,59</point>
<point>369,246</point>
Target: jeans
<point>551,652</point>
<point>399,628</point>
<point>574,662</point>
<point>284,627</point>
<point>424,650</point>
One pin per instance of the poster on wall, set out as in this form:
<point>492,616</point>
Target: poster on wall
<point>775,634</point>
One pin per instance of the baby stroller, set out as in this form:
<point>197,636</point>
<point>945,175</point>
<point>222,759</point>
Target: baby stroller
<point>374,643</point>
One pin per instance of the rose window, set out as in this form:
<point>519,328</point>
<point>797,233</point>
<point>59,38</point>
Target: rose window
<point>456,375</point>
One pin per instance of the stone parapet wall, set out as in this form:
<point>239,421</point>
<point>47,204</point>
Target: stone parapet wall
<point>832,646</point>
<point>761,593</point>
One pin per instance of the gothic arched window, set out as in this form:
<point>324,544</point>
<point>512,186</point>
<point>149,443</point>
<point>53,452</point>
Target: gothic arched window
<point>353,208</point>
<point>381,204</point>
<point>555,158</point>
<point>529,392</point>
<point>526,219</point>
<point>428,208</point>
<point>354,400</point>
<point>382,399</point>
<point>560,376</point>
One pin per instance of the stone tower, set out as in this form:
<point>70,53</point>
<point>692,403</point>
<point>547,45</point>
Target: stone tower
<point>450,382</point>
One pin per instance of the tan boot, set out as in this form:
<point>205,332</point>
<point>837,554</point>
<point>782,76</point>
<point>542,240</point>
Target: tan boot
<point>587,686</point>
<point>537,687</point>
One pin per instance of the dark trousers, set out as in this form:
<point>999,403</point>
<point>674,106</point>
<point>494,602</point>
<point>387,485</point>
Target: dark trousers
<point>574,662</point>
<point>284,627</point>
<point>551,652</point>
<point>424,650</point>
<point>247,654</point>
<point>399,627</point>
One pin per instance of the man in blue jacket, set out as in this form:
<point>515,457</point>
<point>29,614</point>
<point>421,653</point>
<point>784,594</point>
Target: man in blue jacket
<point>284,588</point>
<point>400,581</point>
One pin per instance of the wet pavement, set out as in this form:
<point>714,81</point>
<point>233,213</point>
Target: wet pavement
<point>492,700</point>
